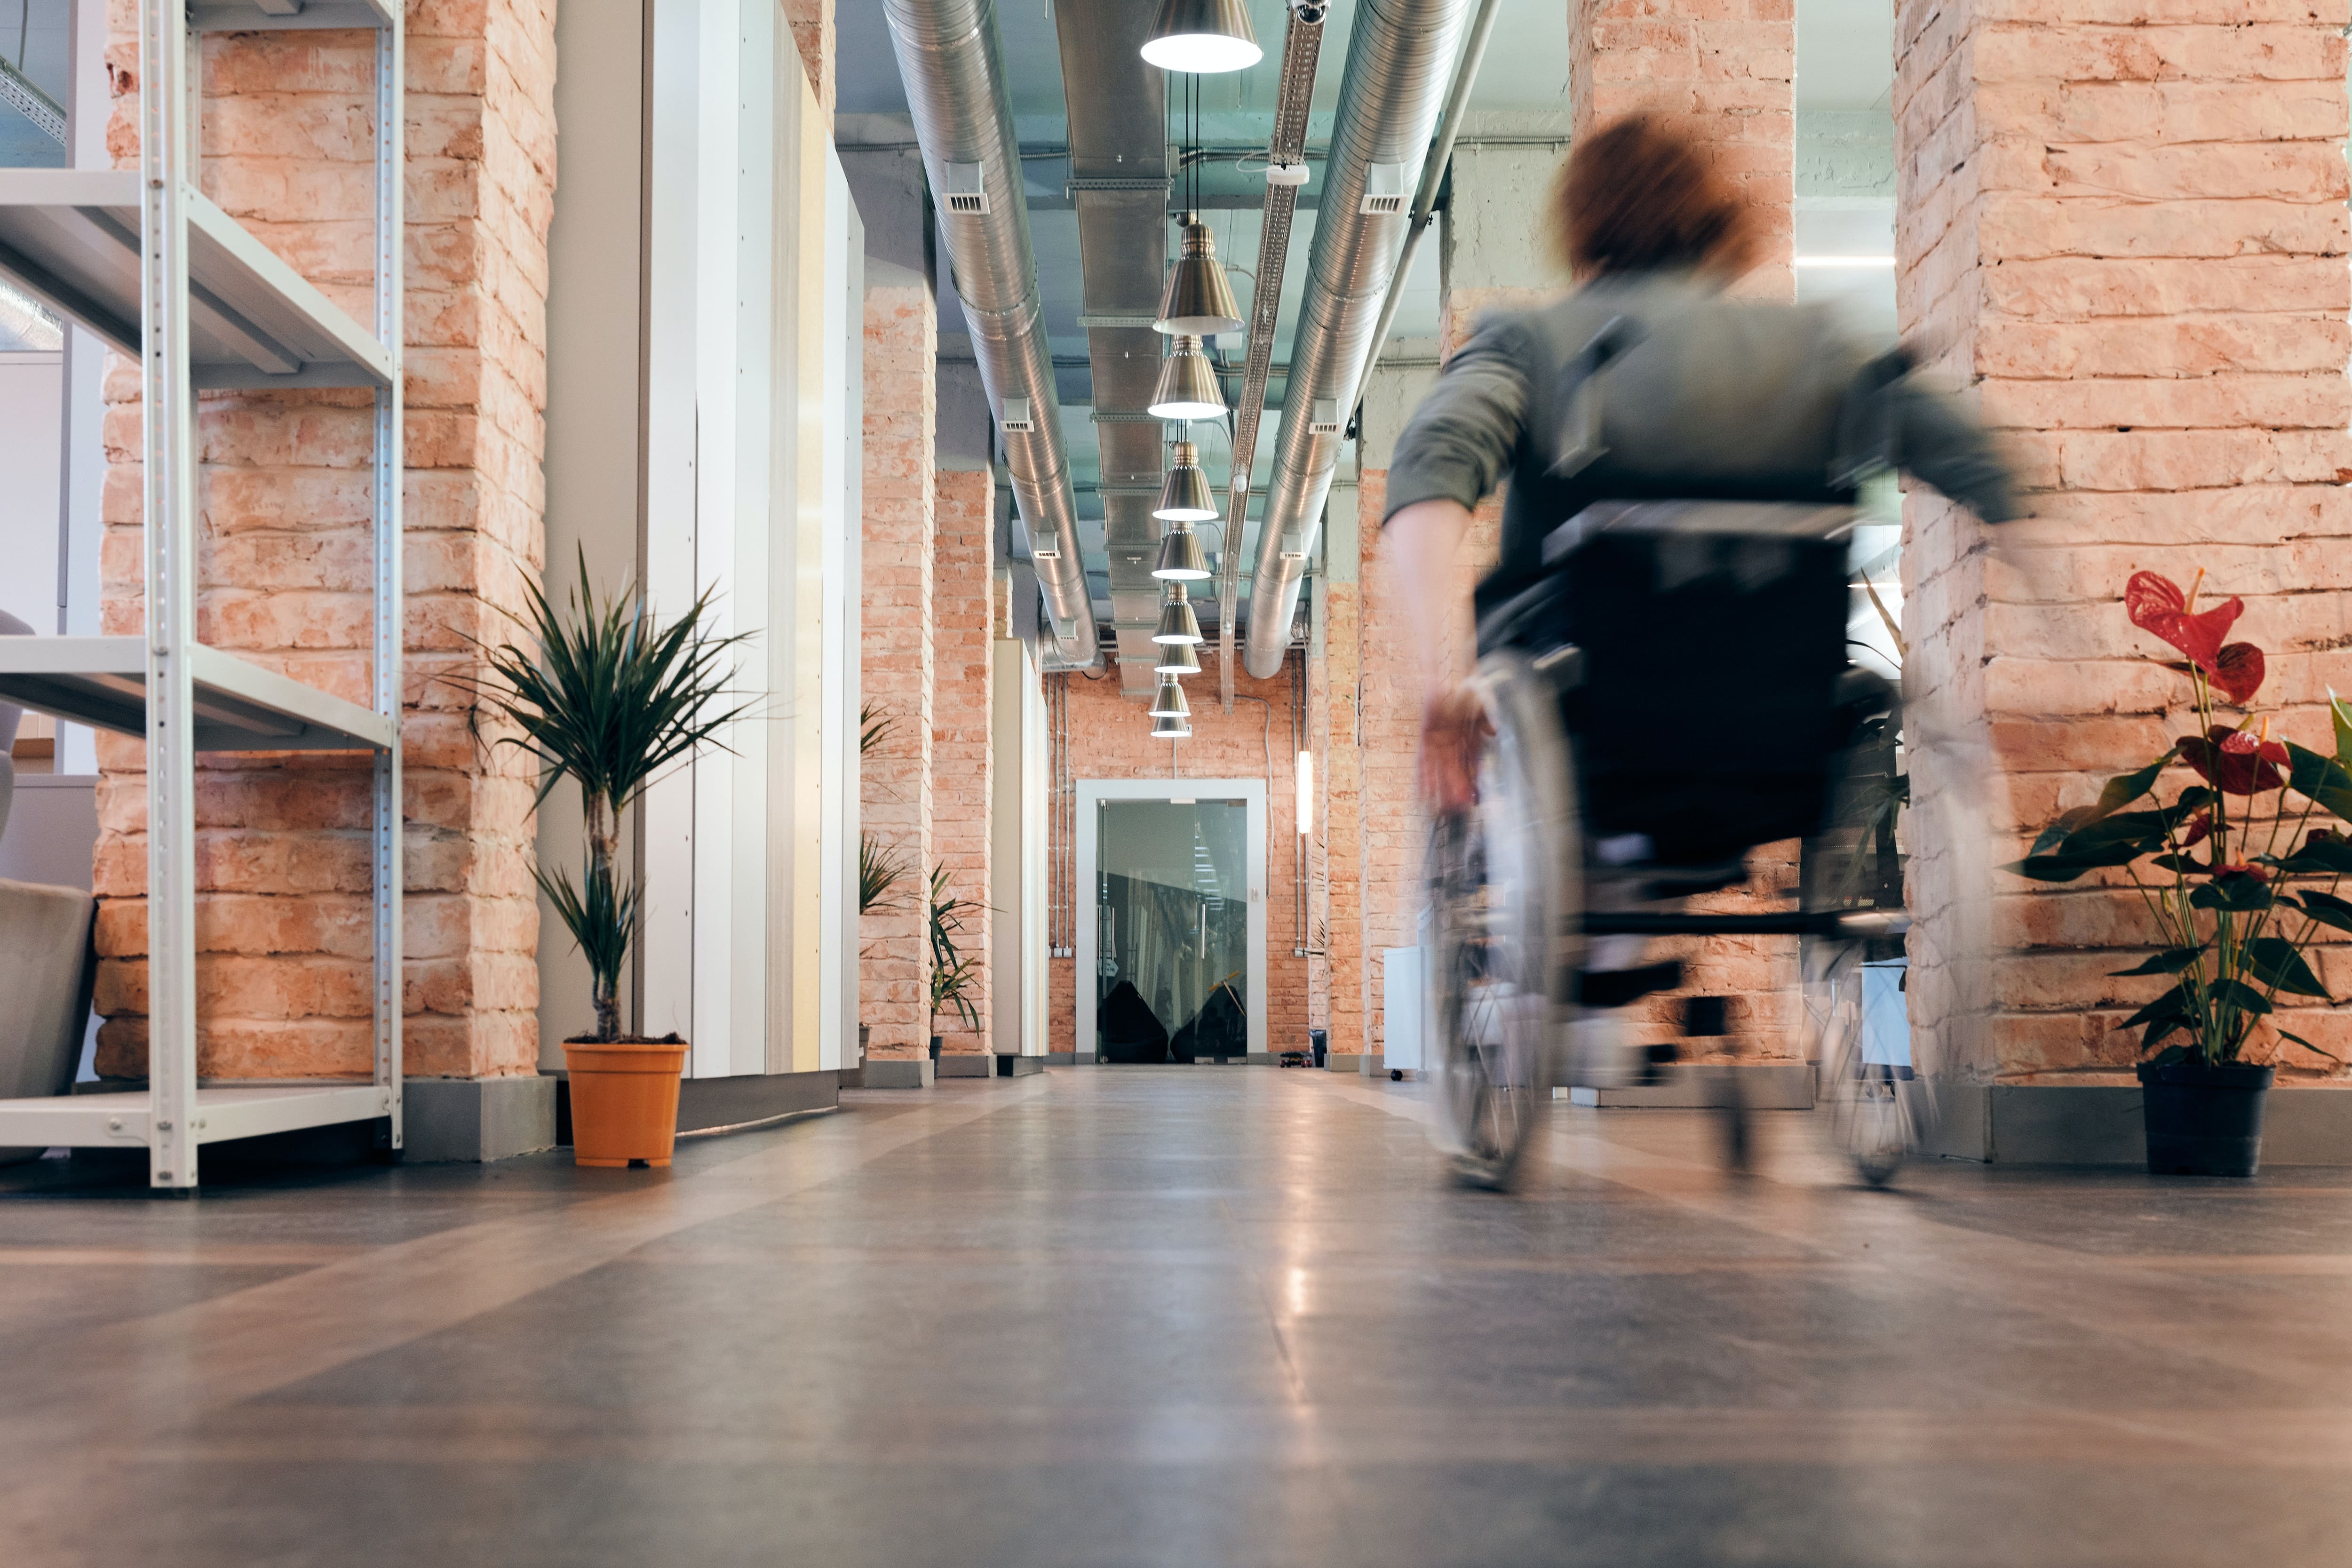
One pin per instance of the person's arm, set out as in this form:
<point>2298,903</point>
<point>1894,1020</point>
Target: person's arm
<point>1939,441</point>
<point>1454,452</point>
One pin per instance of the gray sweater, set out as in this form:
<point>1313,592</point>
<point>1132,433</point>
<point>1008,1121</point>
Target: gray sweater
<point>1695,396</point>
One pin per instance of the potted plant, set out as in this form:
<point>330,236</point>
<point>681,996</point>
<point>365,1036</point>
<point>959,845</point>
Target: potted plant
<point>881,869</point>
<point>607,696</point>
<point>2238,875</point>
<point>955,979</point>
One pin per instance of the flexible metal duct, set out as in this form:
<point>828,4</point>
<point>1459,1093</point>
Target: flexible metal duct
<point>952,64</point>
<point>1396,74</point>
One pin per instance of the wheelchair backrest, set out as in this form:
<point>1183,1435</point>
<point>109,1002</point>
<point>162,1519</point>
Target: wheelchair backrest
<point>1712,637</point>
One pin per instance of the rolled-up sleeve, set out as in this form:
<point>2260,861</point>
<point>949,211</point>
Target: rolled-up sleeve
<point>1465,432</point>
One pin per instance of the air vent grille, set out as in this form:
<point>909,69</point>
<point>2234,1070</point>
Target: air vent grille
<point>1385,191</point>
<point>1017,418</point>
<point>966,192</point>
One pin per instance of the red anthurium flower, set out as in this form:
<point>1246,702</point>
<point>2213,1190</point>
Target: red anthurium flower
<point>2158,607</point>
<point>2198,826</point>
<point>2237,671</point>
<point>2240,868</point>
<point>2233,760</point>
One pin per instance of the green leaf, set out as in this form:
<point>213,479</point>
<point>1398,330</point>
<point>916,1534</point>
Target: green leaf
<point>2239,895</point>
<point>2058,867</point>
<point>2167,1015</point>
<point>2169,1055</point>
<point>2239,995</point>
<point>2142,832</point>
<point>2326,909</point>
<point>2125,788</point>
<point>2067,822</point>
<point>2307,1046</point>
<point>2273,960</point>
<point>2323,779</point>
<point>2186,864</point>
<point>2343,720</point>
<point>2317,857</point>
<point>2172,961</point>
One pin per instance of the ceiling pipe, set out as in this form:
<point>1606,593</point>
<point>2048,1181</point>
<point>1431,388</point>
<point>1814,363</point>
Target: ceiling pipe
<point>1388,108</point>
<point>951,61</point>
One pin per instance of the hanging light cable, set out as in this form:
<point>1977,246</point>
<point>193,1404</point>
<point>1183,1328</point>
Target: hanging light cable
<point>1202,35</point>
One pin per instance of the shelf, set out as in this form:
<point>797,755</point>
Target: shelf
<point>240,706</point>
<point>255,15</point>
<point>70,236</point>
<point>121,1120</point>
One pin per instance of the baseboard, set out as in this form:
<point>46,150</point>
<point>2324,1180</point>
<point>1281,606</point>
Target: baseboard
<point>475,1120</point>
<point>899,1072</point>
<point>1019,1066</point>
<point>1061,1058</point>
<point>706,1104</point>
<point>1689,1086</point>
<point>2099,1124</point>
<point>1350,1061</point>
<point>966,1064</point>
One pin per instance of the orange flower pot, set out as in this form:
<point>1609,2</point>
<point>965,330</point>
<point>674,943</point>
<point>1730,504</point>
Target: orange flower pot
<point>623,1099</point>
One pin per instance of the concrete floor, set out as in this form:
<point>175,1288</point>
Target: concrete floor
<point>1178,1317</point>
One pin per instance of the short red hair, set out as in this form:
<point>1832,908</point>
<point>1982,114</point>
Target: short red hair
<point>1640,196</point>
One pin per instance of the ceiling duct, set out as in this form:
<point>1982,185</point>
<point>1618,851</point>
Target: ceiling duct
<point>1119,184</point>
<point>952,64</point>
<point>1389,96</point>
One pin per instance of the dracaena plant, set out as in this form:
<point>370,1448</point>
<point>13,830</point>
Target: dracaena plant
<point>609,697</point>
<point>2243,870</point>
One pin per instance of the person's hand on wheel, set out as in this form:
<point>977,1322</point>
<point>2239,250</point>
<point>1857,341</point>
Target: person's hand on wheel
<point>1453,727</point>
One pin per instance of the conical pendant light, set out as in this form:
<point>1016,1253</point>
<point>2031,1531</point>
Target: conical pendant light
<point>1171,729</point>
<point>1184,494</point>
<point>1177,658</point>
<point>1181,558</point>
<point>1188,385</point>
<point>1202,37</point>
<point>1198,302</point>
<point>1170,701</point>
<point>1177,622</point>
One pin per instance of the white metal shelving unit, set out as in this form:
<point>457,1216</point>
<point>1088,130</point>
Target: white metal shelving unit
<point>146,262</point>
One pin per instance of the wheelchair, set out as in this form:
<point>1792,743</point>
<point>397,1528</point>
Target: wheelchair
<point>1671,694</point>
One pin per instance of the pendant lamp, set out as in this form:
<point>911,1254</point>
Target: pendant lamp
<point>1170,701</point>
<point>1171,729</point>
<point>1180,557</point>
<point>1177,658</point>
<point>1177,622</point>
<point>1184,494</point>
<point>1188,385</point>
<point>1202,37</point>
<point>1198,301</point>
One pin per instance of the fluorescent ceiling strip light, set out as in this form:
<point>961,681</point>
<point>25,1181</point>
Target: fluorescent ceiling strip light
<point>1857,262</point>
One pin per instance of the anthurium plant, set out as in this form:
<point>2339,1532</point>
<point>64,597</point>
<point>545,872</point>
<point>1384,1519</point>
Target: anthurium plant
<point>2242,871</point>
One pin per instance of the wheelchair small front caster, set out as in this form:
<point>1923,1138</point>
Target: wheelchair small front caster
<point>1396,1075</point>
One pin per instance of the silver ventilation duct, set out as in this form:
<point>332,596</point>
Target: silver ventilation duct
<point>952,64</point>
<point>1396,74</point>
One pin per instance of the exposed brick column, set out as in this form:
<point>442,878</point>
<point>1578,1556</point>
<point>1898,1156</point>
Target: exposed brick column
<point>2132,239</point>
<point>1728,68</point>
<point>901,418</point>
<point>812,25</point>
<point>1338,978</point>
<point>963,749</point>
<point>284,576</point>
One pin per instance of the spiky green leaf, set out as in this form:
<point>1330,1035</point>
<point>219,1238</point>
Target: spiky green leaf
<point>2273,960</point>
<point>2172,961</point>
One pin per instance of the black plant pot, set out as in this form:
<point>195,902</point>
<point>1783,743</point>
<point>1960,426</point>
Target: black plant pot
<point>935,1048</point>
<point>2203,1121</point>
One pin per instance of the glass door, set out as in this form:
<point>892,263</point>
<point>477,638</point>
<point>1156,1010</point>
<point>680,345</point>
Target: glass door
<point>1171,914</point>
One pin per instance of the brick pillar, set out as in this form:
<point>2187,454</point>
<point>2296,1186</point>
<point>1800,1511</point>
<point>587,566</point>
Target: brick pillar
<point>812,25</point>
<point>1728,68</point>
<point>962,742</point>
<point>1337,979</point>
<point>901,416</point>
<point>283,573</point>
<point>2132,239</point>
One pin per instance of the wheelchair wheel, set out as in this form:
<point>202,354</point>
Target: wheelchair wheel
<point>1877,1108</point>
<point>1504,904</point>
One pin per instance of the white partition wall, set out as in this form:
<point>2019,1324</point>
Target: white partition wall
<point>748,357</point>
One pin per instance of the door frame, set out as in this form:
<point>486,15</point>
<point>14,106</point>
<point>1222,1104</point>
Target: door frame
<point>1092,793</point>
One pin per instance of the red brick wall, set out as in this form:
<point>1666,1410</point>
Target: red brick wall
<point>1110,738</point>
<point>2132,237</point>
<point>962,757</point>
<point>1728,68</point>
<point>812,25</point>
<point>284,573</point>
<point>895,668</point>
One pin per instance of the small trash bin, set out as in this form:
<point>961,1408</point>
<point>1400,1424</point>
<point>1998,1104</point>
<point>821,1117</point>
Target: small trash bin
<point>1319,1042</point>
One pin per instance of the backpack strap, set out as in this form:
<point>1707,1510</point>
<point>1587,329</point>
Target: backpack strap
<point>1580,390</point>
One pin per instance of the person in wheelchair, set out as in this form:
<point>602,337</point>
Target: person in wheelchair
<point>1682,466</point>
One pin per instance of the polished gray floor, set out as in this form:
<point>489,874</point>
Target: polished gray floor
<point>1181,1317</point>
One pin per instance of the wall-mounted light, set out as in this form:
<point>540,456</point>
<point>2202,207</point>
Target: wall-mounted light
<point>1202,37</point>
<point>1306,793</point>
